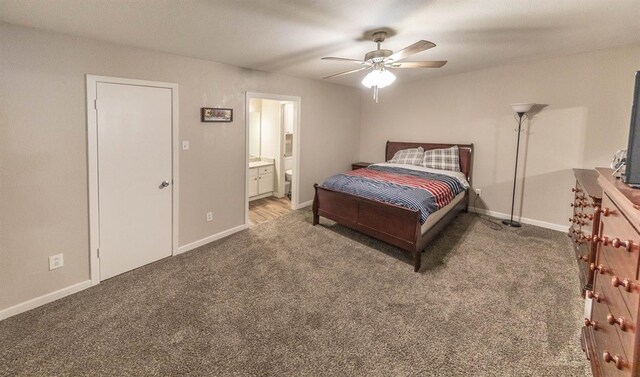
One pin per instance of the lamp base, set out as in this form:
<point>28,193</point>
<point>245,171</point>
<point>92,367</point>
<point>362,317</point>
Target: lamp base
<point>512,223</point>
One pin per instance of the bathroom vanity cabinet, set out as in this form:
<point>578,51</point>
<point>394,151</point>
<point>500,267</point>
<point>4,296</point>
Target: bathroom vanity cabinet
<point>260,181</point>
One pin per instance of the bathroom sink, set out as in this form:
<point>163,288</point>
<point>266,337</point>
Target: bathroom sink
<point>255,164</point>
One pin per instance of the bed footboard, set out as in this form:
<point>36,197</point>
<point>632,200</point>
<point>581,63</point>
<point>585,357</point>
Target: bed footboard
<point>395,225</point>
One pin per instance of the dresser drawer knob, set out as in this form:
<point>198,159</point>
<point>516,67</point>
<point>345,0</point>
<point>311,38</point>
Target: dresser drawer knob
<point>600,268</point>
<point>583,258</point>
<point>588,322</point>
<point>628,245</point>
<point>597,297</point>
<point>620,321</point>
<point>625,283</point>
<point>617,359</point>
<point>603,240</point>
<point>584,216</point>
<point>604,211</point>
<point>576,221</point>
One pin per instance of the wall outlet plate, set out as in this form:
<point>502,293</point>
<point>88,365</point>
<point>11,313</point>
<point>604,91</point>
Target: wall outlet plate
<point>479,192</point>
<point>185,145</point>
<point>209,216</point>
<point>56,261</point>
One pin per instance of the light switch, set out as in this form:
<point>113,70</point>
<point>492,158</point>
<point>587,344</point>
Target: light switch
<point>185,145</point>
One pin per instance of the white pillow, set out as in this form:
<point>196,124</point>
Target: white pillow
<point>411,156</point>
<point>443,159</point>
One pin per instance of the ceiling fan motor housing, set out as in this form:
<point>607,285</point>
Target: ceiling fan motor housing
<point>377,56</point>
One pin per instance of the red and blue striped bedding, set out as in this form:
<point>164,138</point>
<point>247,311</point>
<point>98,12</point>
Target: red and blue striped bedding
<point>413,189</point>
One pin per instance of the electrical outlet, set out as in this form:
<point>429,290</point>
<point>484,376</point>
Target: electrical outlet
<point>479,192</point>
<point>56,261</point>
<point>185,145</point>
<point>209,216</point>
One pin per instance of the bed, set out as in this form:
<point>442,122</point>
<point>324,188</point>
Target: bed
<point>391,223</point>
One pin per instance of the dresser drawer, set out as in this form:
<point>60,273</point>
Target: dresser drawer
<point>619,316</point>
<point>607,341</point>
<point>613,226</point>
<point>614,294</point>
<point>618,303</point>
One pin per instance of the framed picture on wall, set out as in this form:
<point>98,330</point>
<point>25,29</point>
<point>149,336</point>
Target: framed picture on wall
<point>210,114</point>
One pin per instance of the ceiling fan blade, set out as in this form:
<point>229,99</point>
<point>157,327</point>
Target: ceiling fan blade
<point>431,64</point>
<point>344,60</point>
<point>408,51</point>
<point>345,73</point>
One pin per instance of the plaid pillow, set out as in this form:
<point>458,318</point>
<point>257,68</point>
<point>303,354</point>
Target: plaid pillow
<point>443,159</point>
<point>411,156</point>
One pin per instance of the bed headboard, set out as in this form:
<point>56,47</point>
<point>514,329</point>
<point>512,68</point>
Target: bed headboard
<point>466,153</point>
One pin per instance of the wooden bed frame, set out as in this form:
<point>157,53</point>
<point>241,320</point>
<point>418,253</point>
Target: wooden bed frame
<point>393,224</point>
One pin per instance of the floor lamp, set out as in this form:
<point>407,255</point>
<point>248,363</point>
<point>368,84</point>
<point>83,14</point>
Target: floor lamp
<point>521,110</point>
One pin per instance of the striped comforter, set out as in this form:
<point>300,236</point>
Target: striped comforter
<point>417,190</point>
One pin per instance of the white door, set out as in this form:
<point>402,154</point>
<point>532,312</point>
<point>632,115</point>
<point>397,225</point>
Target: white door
<point>134,127</point>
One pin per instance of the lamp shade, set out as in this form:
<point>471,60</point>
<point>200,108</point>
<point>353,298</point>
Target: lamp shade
<point>522,107</point>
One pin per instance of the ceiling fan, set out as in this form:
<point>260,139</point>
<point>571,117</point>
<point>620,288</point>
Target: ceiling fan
<point>380,61</point>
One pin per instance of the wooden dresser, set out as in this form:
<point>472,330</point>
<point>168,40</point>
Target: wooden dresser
<point>610,336</point>
<point>585,223</point>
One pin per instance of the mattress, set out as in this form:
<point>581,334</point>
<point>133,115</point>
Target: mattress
<point>437,215</point>
<point>416,188</point>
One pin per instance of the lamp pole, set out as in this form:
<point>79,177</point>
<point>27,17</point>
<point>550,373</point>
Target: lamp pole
<point>510,222</point>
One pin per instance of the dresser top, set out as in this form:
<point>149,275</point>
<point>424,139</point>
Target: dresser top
<point>588,179</point>
<point>622,194</point>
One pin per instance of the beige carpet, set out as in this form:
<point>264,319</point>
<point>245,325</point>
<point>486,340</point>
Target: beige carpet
<point>289,299</point>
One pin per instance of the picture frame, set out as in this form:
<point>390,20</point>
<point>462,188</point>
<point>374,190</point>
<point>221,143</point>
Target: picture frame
<point>215,114</point>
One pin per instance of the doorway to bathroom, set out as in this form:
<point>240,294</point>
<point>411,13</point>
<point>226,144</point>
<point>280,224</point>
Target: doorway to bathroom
<point>273,155</point>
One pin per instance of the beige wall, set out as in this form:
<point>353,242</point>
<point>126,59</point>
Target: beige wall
<point>585,119</point>
<point>43,169</point>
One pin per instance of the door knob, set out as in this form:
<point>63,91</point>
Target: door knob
<point>164,184</point>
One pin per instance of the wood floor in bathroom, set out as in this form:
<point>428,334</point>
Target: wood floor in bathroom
<point>266,209</point>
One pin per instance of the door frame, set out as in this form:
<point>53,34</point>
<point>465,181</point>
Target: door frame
<point>92,162</point>
<point>295,190</point>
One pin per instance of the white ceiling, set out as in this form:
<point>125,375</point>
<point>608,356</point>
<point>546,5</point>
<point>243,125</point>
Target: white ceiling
<point>290,36</point>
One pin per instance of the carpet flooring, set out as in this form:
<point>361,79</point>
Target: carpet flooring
<point>288,299</point>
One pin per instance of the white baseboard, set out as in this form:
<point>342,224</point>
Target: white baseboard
<point>206,240</point>
<point>305,204</point>
<point>542,224</point>
<point>44,299</point>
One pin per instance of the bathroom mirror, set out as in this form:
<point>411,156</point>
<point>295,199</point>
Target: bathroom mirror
<point>254,134</point>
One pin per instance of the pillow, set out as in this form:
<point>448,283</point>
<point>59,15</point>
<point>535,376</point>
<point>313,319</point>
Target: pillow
<point>411,156</point>
<point>443,159</point>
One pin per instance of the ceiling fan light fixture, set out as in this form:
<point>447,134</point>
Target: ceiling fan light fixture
<point>371,79</point>
<point>386,78</point>
<point>379,78</point>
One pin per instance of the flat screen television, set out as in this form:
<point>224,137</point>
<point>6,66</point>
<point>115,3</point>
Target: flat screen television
<point>632,171</point>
